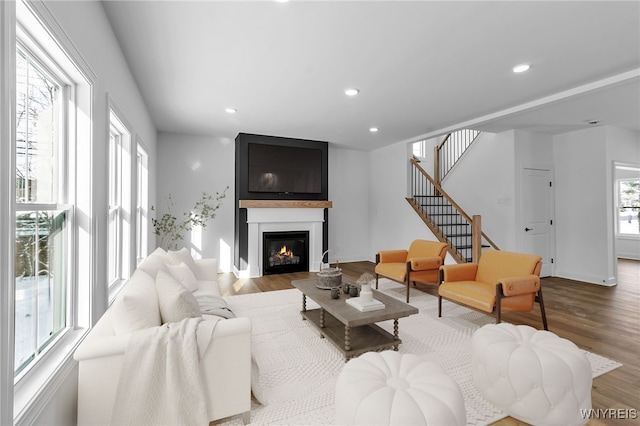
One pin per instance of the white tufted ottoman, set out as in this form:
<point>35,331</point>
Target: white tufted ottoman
<point>534,376</point>
<point>397,389</point>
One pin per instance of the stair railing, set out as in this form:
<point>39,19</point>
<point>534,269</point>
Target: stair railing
<point>450,150</point>
<point>445,218</point>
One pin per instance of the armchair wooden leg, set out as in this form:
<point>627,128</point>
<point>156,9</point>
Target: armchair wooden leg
<point>408,278</point>
<point>542,312</point>
<point>439,306</point>
<point>377,281</point>
<point>499,296</point>
<point>407,284</point>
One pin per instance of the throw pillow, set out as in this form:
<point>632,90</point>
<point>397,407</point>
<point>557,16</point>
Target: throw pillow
<point>183,275</point>
<point>176,302</point>
<point>184,256</point>
<point>154,262</point>
<point>136,306</point>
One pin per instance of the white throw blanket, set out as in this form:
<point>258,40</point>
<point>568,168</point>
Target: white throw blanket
<point>160,380</point>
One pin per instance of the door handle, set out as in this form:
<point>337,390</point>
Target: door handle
<point>528,229</point>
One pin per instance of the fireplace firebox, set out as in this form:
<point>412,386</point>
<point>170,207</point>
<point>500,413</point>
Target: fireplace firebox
<point>285,252</point>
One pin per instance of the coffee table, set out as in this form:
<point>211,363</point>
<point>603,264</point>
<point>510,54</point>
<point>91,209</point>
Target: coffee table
<point>351,331</point>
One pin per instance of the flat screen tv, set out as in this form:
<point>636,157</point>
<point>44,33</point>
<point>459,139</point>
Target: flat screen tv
<point>284,169</point>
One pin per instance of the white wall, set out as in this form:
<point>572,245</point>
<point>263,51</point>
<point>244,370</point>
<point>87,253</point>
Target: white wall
<point>583,218</point>
<point>187,167</point>
<point>483,183</point>
<point>349,236</point>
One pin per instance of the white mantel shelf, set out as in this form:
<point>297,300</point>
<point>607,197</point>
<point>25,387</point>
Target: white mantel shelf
<point>287,204</point>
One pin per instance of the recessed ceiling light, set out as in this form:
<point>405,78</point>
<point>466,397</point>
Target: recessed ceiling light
<point>373,129</point>
<point>351,92</point>
<point>521,68</point>
<point>231,110</point>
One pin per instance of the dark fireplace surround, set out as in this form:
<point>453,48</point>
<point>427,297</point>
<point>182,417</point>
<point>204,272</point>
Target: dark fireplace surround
<point>243,140</point>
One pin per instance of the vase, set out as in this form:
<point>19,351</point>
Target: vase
<point>365,293</point>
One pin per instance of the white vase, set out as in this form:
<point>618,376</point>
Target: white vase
<point>365,293</point>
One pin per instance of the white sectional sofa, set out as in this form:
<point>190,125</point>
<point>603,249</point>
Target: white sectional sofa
<point>225,363</point>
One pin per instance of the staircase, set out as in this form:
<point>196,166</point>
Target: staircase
<point>451,149</point>
<point>448,222</point>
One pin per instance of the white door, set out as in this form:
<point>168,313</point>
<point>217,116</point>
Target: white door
<point>537,216</point>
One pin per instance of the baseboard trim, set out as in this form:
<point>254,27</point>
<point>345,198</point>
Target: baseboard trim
<point>607,282</point>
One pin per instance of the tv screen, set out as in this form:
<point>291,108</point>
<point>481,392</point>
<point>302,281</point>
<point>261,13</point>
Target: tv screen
<point>284,169</point>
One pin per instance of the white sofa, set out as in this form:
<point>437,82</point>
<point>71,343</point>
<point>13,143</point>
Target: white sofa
<point>225,363</point>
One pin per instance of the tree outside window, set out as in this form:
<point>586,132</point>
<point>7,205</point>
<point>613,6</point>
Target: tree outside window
<point>629,206</point>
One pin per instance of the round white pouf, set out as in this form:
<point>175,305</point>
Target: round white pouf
<point>534,376</point>
<point>397,389</point>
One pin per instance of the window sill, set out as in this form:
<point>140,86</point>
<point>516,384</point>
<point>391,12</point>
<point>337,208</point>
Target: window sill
<point>38,386</point>
<point>630,237</point>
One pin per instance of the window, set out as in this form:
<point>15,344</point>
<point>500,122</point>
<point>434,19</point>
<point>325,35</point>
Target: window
<point>115,209</point>
<point>50,192</point>
<point>142,206</point>
<point>420,149</point>
<point>119,214</point>
<point>43,220</point>
<point>629,206</point>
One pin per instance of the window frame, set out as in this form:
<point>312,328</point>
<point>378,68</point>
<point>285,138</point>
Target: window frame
<point>619,233</point>
<point>123,195</point>
<point>142,201</point>
<point>25,397</point>
<point>114,212</point>
<point>48,66</point>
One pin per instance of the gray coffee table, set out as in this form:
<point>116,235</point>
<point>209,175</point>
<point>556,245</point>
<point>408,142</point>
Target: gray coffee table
<point>351,331</point>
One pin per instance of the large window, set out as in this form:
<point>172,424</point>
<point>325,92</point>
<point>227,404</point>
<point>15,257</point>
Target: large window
<point>49,167</point>
<point>119,214</point>
<point>629,206</point>
<point>142,200</point>
<point>43,219</point>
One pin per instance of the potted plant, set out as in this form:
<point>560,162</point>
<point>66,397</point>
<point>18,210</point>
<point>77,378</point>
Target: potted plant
<point>169,228</point>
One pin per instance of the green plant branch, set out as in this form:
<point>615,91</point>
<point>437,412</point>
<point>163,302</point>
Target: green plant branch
<point>170,229</point>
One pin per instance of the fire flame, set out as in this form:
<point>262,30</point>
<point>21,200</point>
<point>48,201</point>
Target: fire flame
<point>284,252</point>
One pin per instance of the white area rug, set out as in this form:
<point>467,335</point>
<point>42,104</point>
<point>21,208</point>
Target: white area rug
<point>298,369</point>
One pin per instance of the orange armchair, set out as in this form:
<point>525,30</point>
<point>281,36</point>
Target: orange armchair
<point>500,281</point>
<point>418,264</point>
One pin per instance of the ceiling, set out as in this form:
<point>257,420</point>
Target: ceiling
<point>422,67</point>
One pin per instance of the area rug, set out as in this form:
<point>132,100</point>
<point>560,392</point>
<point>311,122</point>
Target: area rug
<point>296,370</point>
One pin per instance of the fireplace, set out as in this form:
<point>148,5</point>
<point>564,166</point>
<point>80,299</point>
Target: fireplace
<point>285,252</point>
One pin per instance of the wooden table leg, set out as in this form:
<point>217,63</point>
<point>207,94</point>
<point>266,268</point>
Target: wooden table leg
<point>304,304</point>
<point>347,338</point>
<point>396,334</point>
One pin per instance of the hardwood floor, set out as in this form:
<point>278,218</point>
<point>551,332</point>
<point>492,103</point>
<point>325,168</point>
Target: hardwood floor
<point>603,320</point>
